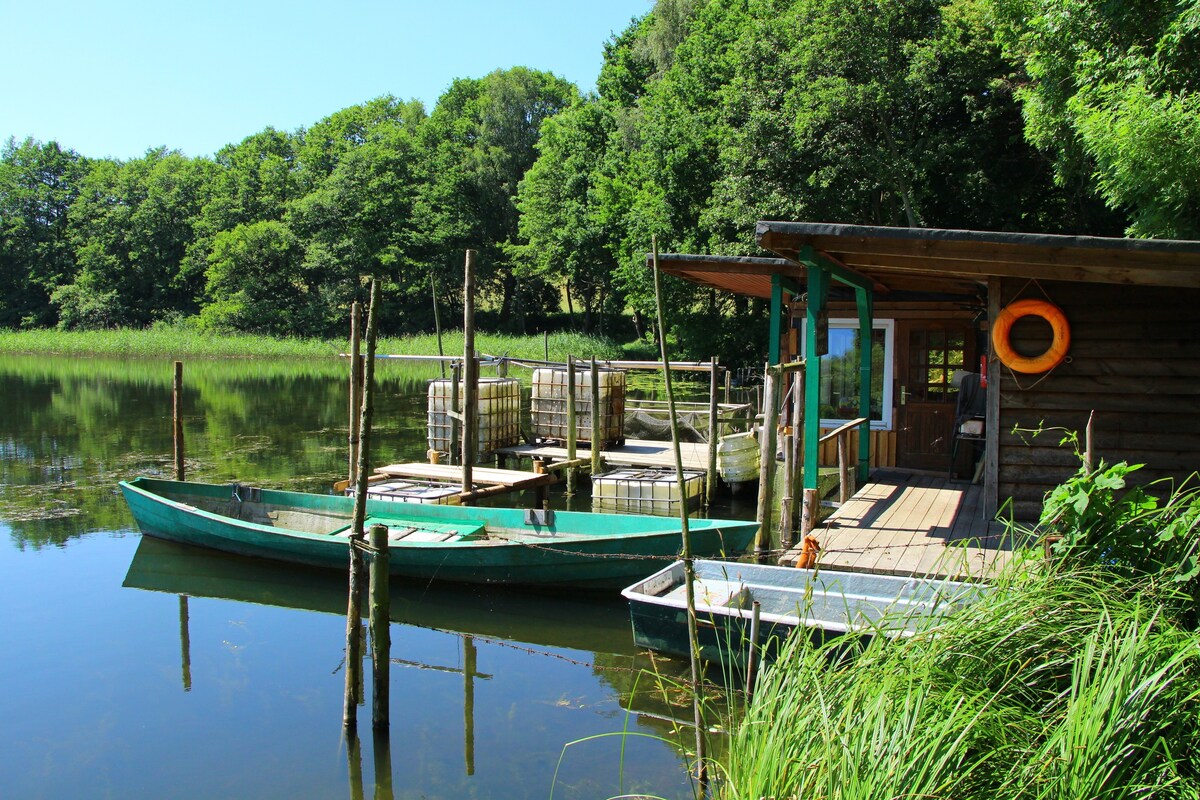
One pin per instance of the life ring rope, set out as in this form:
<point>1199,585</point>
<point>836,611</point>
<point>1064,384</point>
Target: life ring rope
<point>1002,333</point>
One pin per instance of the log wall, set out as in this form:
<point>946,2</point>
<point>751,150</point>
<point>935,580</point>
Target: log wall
<point>1134,360</point>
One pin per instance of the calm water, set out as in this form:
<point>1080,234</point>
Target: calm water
<point>134,668</point>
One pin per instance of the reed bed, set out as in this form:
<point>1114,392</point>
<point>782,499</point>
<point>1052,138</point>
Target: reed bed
<point>180,341</point>
<point>1077,678</point>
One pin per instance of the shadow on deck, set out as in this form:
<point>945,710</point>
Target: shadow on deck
<point>903,524</point>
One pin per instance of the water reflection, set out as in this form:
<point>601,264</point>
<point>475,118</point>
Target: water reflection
<point>592,630</point>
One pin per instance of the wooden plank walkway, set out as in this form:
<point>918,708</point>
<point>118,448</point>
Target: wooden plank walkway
<point>634,453</point>
<point>901,524</point>
<point>515,480</point>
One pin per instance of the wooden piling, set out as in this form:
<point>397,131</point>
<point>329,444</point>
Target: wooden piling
<point>752,656</point>
<point>689,566</point>
<point>185,643</point>
<point>596,443</point>
<point>177,421</point>
<point>469,659</point>
<point>710,481</point>
<point>354,764</point>
<point>380,622</point>
<point>572,421</point>
<point>368,411</point>
<point>471,374</point>
<point>728,387</point>
<point>356,381</point>
<point>766,475</point>
<point>353,633</point>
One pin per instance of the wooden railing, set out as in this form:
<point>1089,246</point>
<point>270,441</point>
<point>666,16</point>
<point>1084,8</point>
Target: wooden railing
<point>845,474</point>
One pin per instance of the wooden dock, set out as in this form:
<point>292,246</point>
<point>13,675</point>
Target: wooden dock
<point>633,453</point>
<point>489,480</point>
<point>901,524</point>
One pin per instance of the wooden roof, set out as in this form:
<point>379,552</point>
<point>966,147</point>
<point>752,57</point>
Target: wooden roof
<point>953,261</point>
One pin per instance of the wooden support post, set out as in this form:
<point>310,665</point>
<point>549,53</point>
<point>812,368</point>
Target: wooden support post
<point>752,657</point>
<point>843,450</point>
<point>797,444</point>
<point>177,421</point>
<point>572,422</point>
<point>787,504</point>
<point>380,621</point>
<point>368,410</point>
<point>353,632</point>
<point>710,478</point>
<point>689,565</point>
<point>728,387</point>
<point>356,385</point>
<point>596,443</point>
<point>766,474</point>
<point>470,408</point>
<point>811,512</point>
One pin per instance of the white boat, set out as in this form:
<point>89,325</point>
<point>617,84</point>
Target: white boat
<point>824,602</point>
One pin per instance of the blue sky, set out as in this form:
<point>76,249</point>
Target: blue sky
<point>116,77</point>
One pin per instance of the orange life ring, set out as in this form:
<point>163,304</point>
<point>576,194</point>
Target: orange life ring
<point>1002,329</point>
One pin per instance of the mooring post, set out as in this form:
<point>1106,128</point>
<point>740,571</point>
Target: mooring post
<point>380,622</point>
<point>596,444</point>
<point>752,656</point>
<point>368,410</point>
<point>177,421</point>
<point>572,434</point>
<point>353,633</point>
<point>471,374</point>
<point>356,380</point>
<point>766,474</point>
<point>689,565</point>
<point>710,482</point>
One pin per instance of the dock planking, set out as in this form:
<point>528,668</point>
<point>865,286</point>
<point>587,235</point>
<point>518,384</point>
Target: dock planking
<point>907,524</point>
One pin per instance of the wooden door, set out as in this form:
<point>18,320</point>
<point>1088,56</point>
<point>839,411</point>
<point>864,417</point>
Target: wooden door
<point>927,354</point>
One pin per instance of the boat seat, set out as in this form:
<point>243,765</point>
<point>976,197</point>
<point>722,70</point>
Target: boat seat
<point>432,532</point>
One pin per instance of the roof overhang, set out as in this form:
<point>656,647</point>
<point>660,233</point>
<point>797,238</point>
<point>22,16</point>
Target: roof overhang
<point>928,260</point>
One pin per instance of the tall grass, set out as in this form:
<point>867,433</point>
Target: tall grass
<point>1059,686</point>
<point>177,341</point>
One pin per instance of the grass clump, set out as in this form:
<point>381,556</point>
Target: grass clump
<point>1074,679</point>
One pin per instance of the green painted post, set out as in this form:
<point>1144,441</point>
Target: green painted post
<point>866,321</point>
<point>776,319</point>
<point>818,290</point>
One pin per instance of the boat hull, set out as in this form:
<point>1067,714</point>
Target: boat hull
<point>485,545</point>
<point>823,604</point>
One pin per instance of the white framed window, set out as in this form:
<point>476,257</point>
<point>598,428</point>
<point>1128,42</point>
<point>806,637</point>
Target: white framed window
<point>840,376</point>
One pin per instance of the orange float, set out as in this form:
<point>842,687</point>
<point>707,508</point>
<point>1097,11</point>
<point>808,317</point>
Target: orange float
<point>1002,330</point>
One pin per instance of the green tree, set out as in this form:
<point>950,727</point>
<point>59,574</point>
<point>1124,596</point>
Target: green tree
<point>1112,96</point>
<point>480,141</point>
<point>131,226</point>
<point>256,282</point>
<point>38,183</point>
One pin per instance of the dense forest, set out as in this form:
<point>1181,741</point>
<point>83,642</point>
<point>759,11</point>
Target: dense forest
<point>1061,116</point>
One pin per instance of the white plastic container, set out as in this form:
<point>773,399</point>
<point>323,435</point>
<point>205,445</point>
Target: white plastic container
<point>499,408</point>
<point>738,458</point>
<point>646,491</point>
<point>406,491</point>
<point>548,406</point>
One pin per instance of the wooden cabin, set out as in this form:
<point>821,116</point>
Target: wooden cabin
<point>933,297</point>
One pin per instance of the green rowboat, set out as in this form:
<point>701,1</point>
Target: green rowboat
<point>427,542</point>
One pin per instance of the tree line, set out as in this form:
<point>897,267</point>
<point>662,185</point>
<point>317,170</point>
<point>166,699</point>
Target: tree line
<point>1058,116</point>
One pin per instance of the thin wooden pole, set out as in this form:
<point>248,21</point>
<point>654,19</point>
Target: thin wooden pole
<point>177,421</point>
<point>728,386</point>
<point>572,421</point>
<point>356,385</point>
<point>380,621</point>
<point>766,474</point>
<point>471,374</point>
<point>1088,452</point>
<point>787,504</point>
<point>437,323</point>
<point>368,411</point>
<point>689,567</point>
<point>752,658</point>
<point>353,633</point>
<point>596,434</point>
<point>710,482</point>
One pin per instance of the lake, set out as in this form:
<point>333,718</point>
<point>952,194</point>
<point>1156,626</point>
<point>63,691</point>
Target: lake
<point>136,668</point>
